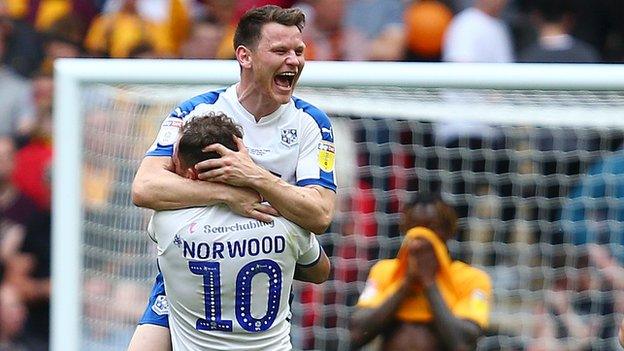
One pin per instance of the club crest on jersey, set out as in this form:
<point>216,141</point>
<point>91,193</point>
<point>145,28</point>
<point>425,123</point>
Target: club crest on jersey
<point>169,131</point>
<point>161,305</point>
<point>289,137</point>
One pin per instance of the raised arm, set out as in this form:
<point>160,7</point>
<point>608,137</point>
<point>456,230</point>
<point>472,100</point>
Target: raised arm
<point>455,333</point>
<point>311,207</point>
<point>157,187</point>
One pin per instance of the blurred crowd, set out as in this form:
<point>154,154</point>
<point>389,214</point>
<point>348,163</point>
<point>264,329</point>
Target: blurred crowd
<point>37,32</point>
<point>33,33</point>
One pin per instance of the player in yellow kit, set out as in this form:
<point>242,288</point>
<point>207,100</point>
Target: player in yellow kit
<point>423,300</point>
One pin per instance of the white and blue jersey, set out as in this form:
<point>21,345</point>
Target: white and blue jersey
<point>295,143</point>
<point>228,277</point>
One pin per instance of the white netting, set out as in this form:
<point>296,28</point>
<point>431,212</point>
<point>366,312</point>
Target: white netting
<point>540,175</point>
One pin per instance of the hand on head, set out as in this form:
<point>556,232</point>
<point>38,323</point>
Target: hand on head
<point>233,167</point>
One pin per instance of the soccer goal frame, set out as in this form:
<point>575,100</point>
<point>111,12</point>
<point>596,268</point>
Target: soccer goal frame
<point>72,74</point>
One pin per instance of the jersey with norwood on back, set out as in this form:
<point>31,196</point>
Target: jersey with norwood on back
<point>295,143</point>
<point>228,277</point>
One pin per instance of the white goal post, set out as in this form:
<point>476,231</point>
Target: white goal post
<point>71,76</point>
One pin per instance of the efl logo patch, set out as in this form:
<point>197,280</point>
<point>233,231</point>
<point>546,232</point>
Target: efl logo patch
<point>169,131</point>
<point>289,137</point>
<point>326,156</point>
<point>161,305</point>
<point>479,302</point>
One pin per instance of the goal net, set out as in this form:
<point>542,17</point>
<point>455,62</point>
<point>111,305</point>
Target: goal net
<point>530,157</point>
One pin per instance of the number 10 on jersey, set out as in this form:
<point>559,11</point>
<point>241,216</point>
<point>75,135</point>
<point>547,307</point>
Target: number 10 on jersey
<point>211,273</point>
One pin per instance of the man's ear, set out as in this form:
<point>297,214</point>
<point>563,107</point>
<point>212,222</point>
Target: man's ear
<point>191,173</point>
<point>243,56</point>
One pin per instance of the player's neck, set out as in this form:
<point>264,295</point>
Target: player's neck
<point>254,101</point>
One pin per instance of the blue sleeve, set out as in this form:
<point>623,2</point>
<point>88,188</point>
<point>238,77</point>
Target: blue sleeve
<point>317,156</point>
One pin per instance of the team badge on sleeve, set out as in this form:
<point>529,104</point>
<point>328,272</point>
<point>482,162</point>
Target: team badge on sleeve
<point>161,305</point>
<point>289,137</point>
<point>479,301</point>
<point>326,156</point>
<point>169,131</point>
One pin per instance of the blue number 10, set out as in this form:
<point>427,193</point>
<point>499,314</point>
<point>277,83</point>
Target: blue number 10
<point>211,272</point>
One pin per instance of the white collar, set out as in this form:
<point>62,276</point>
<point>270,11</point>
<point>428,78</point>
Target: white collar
<point>233,97</point>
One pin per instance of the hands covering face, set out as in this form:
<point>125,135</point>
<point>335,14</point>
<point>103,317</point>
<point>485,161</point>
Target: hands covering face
<point>422,264</point>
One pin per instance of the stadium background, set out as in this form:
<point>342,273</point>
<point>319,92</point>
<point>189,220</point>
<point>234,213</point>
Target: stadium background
<point>526,195</point>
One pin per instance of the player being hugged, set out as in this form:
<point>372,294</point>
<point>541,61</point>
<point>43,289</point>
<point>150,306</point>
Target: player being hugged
<point>228,277</point>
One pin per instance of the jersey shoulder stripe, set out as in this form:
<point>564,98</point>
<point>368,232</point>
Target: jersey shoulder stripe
<point>163,146</point>
<point>189,105</point>
<point>326,149</point>
<point>321,119</point>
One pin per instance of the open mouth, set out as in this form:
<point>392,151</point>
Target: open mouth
<point>284,79</point>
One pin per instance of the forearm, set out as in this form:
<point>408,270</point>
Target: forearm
<point>160,189</point>
<point>367,323</point>
<point>455,333</point>
<point>311,208</point>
